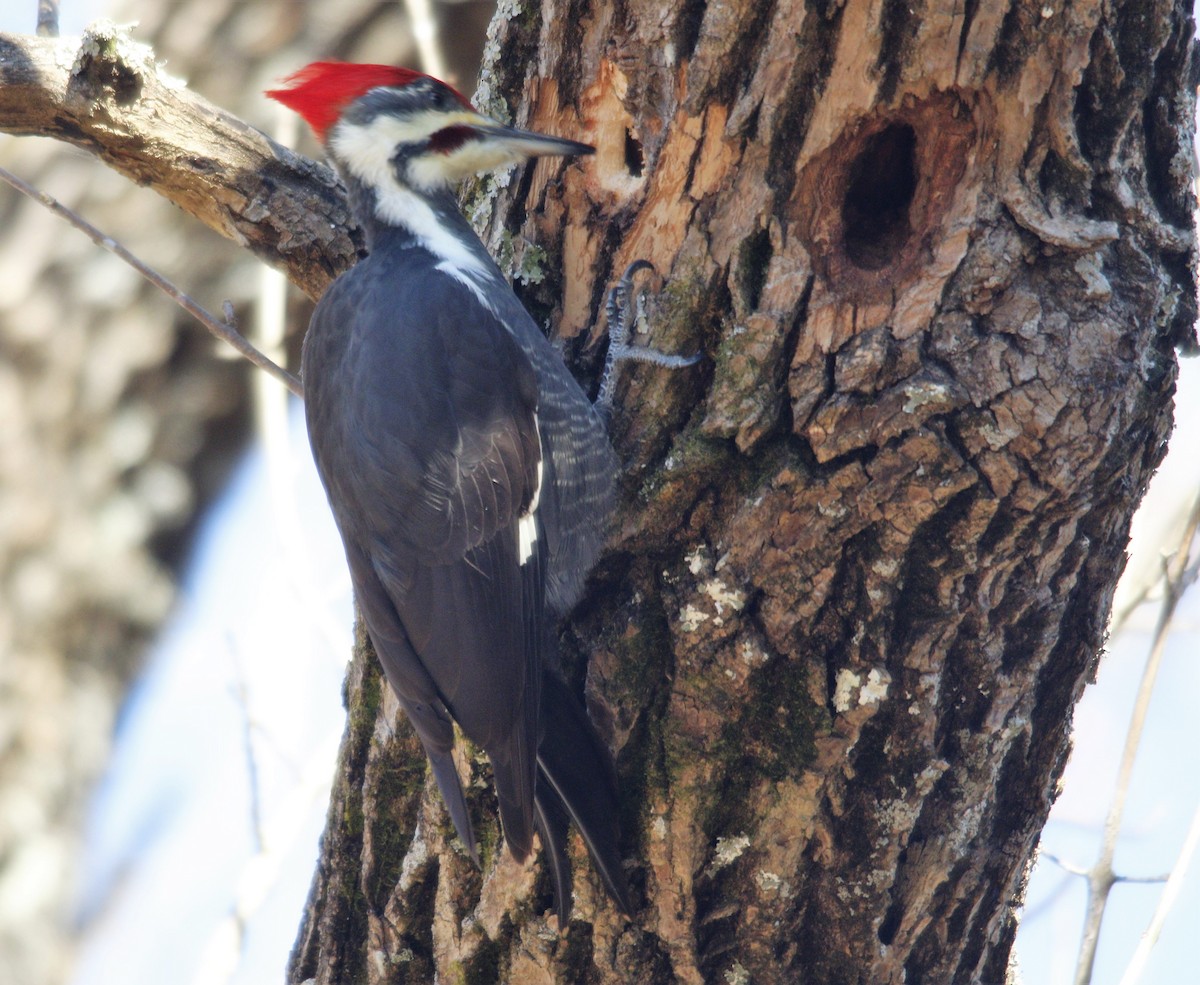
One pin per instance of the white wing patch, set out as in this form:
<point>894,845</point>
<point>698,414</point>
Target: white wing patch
<point>527,524</point>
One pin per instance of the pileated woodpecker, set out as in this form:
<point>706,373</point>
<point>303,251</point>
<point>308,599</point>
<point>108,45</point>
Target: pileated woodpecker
<point>470,477</point>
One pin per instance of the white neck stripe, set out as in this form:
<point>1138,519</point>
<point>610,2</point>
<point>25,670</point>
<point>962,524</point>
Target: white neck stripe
<point>366,151</point>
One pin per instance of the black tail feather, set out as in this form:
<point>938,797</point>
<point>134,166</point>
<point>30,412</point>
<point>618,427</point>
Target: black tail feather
<point>452,793</point>
<point>516,820</point>
<point>576,766</point>
<point>552,821</point>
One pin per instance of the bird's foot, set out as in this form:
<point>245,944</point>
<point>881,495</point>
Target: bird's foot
<point>624,310</point>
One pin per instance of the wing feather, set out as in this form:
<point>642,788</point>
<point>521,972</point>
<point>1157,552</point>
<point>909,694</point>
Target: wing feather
<point>430,460</point>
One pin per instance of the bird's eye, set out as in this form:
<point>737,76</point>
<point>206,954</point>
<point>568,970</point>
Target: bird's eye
<point>449,139</point>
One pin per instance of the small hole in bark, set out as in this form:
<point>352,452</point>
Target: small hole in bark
<point>889,925</point>
<point>753,261</point>
<point>882,180</point>
<point>634,159</point>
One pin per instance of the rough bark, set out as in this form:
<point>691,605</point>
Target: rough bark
<point>940,257</point>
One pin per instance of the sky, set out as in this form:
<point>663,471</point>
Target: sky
<point>226,747</point>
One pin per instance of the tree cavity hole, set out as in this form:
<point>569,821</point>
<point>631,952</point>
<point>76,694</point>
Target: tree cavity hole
<point>879,192</point>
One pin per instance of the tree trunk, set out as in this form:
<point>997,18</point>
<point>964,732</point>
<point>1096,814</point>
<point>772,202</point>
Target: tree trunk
<point>939,256</point>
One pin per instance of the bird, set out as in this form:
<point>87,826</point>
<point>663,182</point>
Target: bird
<point>471,479</point>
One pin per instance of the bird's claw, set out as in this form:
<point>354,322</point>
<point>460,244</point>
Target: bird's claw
<point>619,309</point>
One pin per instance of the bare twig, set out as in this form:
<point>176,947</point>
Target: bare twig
<point>47,19</point>
<point>1177,575</point>
<point>1069,867</point>
<point>1120,618</point>
<point>224,330</point>
<point>425,32</point>
<point>1166,901</point>
<point>1143,879</point>
<point>242,698</point>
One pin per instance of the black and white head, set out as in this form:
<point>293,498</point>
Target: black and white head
<point>392,128</point>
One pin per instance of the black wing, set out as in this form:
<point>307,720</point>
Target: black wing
<point>581,467</point>
<point>425,433</point>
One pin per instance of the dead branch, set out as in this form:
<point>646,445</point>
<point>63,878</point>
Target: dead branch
<point>105,93</point>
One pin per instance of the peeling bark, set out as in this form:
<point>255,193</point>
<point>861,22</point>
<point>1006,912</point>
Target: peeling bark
<point>940,258</point>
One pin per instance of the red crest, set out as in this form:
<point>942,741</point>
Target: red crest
<point>321,91</point>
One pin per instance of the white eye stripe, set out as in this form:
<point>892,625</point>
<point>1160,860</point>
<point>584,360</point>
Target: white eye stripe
<point>392,131</point>
<point>368,150</point>
<point>436,169</point>
<point>368,157</point>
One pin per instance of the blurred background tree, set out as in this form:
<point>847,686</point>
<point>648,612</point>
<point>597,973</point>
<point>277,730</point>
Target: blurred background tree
<point>123,419</point>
